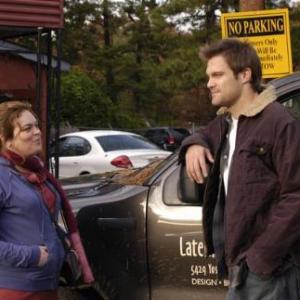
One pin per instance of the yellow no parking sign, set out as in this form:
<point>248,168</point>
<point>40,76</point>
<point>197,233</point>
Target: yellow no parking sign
<point>269,32</point>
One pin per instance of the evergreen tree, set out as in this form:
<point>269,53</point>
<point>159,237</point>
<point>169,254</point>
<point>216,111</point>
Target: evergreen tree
<point>142,57</point>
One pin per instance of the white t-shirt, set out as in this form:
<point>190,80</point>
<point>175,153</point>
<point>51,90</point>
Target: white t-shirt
<point>231,139</point>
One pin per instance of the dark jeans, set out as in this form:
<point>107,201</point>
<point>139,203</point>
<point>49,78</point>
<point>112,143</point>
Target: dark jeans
<point>284,286</point>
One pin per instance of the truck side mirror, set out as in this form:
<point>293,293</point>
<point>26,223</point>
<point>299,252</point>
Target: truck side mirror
<point>189,191</point>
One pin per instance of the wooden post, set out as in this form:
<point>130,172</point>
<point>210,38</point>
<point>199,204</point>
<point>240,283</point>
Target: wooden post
<point>247,5</point>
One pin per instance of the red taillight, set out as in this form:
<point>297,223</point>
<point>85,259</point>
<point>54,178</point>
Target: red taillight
<point>171,140</point>
<point>122,161</point>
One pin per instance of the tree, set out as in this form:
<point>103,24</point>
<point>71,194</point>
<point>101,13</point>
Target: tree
<point>84,103</point>
<point>78,34</point>
<point>143,55</point>
<point>295,33</point>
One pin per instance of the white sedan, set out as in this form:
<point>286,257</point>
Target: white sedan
<point>98,151</point>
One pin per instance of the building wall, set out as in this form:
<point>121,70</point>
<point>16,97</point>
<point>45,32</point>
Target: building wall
<point>32,13</point>
<point>18,80</point>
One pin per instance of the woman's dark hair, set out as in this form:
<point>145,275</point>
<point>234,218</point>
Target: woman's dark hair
<point>9,112</point>
<point>239,55</point>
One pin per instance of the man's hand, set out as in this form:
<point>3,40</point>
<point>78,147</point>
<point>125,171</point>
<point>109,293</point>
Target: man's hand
<point>197,158</point>
<point>43,256</point>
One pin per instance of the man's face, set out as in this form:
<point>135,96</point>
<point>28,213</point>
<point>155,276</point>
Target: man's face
<point>224,86</point>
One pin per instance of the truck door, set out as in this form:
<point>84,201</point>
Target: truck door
<point>177,264</point>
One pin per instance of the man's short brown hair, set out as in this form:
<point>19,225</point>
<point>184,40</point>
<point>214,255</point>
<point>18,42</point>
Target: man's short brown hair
<point>239,55</point>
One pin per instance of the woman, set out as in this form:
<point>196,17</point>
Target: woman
<point>31,253</point>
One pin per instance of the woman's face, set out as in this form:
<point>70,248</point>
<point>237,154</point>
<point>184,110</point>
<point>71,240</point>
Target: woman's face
<point>27,136</point>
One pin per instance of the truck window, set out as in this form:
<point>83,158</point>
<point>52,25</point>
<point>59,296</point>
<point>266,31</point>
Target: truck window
<point>292,102</point>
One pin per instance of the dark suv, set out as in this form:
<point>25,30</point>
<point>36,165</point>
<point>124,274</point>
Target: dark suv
<point>168,138</point>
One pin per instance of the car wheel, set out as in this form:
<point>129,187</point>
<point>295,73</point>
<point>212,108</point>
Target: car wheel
<point>106,289</point>
<point>69,294</point>
<point>84,173</point>
<point>79,294</point>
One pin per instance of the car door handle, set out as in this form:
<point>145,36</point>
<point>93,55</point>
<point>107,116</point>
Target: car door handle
<point>125,224</point>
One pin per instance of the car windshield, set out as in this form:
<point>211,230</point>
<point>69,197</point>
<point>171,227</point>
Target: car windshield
<point>124,142</point>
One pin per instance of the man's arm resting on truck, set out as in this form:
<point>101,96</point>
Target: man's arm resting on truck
<point>195,150</point>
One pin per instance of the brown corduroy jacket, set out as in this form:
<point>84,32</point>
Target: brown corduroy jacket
<point>262,206</point>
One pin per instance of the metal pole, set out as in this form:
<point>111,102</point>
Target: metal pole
<point>38,72</point>
<point>58,101</point>
<point>49,98</point>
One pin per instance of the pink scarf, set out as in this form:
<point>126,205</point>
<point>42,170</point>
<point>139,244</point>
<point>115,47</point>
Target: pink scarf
<point>37,174</point>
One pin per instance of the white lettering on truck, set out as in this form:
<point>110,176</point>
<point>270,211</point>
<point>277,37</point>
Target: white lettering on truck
<point>191,248</point>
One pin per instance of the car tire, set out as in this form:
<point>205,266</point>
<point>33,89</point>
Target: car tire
<point>84,173</point>
<point>79,294</point>
<point>69,294</point>
<point>106,289</point>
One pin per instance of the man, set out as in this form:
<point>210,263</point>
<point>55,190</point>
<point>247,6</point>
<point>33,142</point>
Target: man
<point>249,156</point>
